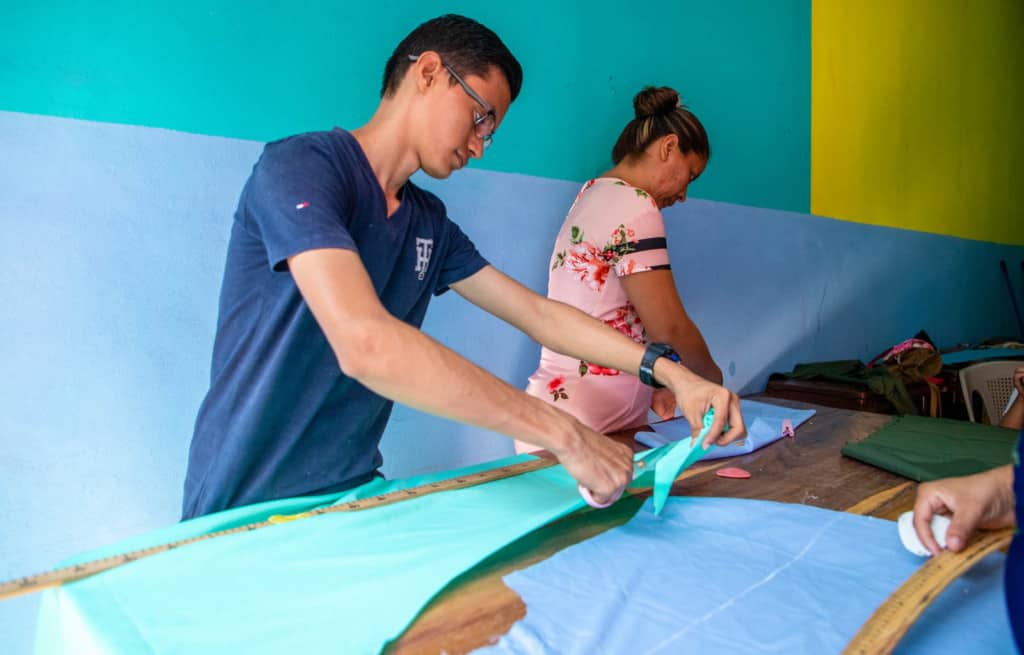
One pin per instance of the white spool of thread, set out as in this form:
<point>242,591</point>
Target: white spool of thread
<point>909,536</point>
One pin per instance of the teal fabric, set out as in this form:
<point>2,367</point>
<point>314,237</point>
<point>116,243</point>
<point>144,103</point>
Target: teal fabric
<point>679,456</point>
<point>344,582</point>
<point>255,513</point>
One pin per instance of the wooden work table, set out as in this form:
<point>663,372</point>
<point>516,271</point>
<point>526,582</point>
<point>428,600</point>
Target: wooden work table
<point>477,608</point>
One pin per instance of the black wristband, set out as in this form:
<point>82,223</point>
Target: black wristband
<point>651,354</point>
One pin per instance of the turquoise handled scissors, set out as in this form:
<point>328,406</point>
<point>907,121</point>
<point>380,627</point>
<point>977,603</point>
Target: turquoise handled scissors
<point>642,462</point>
<point>646,461</point>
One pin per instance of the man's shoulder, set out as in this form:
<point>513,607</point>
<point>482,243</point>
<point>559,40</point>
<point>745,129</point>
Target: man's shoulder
<point>333,141</point>
<point>331,157</point>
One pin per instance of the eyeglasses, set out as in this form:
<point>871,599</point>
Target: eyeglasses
<point>483,123</point>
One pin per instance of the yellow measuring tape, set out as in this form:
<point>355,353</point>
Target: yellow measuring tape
<point>61,576</point>
<point>893,618</point>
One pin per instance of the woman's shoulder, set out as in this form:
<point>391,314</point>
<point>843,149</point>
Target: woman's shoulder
<point>612,196</point>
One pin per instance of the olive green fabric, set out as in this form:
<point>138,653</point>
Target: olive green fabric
<point>851,371</point>
<point>926,449</point>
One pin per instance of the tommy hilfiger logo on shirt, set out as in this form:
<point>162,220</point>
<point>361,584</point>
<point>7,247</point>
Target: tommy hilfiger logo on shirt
<point>423,249</point>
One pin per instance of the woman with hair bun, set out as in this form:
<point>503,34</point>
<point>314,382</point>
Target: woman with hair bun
<point>611,261</point>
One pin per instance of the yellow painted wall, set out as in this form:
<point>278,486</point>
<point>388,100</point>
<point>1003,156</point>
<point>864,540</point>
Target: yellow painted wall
<point>917,115</point>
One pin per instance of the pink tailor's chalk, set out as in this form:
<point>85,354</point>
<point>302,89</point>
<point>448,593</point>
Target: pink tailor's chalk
<point>733,472</point>
<point>787,428</point>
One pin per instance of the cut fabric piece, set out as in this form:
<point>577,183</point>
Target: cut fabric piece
<point>926,449</point>
<point>717,575</point>
<point>681,454</point>
<point>764,426</point>
<point>346,582</point>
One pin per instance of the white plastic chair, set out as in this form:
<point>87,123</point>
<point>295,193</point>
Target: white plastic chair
<point>993,382</point>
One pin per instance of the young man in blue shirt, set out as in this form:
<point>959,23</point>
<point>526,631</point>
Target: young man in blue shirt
<point>333,257</point>
<point>990,500</point>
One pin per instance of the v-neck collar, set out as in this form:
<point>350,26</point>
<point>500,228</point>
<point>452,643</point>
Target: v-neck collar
<point>368,169</point>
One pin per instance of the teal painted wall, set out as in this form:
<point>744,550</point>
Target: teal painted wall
<point>262,70</point>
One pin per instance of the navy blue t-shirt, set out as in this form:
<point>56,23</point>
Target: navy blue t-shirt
<point>1015,560</point>
<point>280,418</point>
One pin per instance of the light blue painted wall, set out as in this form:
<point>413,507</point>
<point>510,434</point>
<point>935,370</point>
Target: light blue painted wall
<point>114,240</point>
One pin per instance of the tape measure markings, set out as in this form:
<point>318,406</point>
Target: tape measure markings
<point>891,620</point>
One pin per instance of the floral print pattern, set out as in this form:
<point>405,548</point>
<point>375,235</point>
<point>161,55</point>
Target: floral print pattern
<point>626,320</point>
<point>590,265</point>
<point>608,234</point>
<point>557,389</point>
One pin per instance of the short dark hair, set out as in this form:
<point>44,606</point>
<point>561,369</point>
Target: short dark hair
<point>660,112</point>
<point>467,46</point>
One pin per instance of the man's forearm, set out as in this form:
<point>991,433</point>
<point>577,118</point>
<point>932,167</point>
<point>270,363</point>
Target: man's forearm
<point>573,333</point>
<point>407,366</point>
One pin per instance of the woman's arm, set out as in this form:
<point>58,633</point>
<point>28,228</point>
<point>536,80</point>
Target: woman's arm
<point>654,295</point>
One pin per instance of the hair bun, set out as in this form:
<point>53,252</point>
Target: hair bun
<point>655,101</point>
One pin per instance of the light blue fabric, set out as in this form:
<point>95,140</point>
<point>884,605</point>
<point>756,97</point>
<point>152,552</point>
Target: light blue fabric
<point>717,575</point>
<point>981,354</point>
<point>764,426</point>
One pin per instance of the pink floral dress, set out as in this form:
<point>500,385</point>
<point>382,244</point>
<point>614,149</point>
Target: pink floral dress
<point>612,230</point>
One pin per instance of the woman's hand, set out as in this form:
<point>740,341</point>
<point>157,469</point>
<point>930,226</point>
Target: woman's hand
<point>663,403</point>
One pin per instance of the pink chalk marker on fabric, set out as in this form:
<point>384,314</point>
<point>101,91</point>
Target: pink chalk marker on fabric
<point>733,472</point>
<point>787,428</point>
